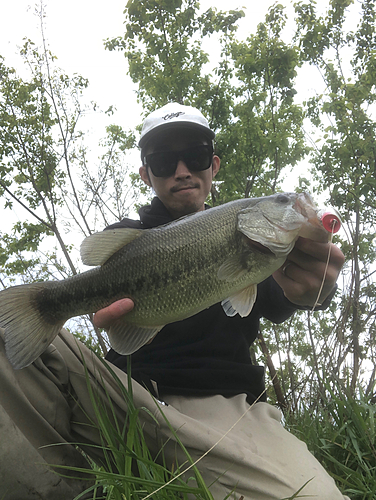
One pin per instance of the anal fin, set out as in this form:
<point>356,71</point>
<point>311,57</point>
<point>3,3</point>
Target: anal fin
<point>126,339</point>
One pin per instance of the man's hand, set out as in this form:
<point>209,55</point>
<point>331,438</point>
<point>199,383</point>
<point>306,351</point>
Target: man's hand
<point>303,272</point>
<point>104,318</point>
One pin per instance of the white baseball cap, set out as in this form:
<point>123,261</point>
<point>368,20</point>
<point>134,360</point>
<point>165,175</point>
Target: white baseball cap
<point>174,115</point>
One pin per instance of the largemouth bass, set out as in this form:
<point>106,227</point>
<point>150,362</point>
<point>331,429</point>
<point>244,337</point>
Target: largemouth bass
<point>170,272</point>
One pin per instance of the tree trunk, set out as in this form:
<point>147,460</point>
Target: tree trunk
<point>273,373</point>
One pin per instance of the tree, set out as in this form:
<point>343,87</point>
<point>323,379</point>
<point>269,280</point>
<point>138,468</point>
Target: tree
<point>163,45</point>
<point>344,163</point>
<point>264,135</point>
<point>249,96</point>
<point>45,172</point>
<point>250,100</point>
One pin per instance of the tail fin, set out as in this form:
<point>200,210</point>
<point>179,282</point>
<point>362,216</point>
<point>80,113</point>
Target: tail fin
<point>27,333</point>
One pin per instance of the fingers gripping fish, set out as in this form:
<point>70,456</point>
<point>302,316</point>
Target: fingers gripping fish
<point>171,272</point>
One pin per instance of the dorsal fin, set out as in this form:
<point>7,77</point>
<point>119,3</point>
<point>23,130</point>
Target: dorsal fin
<point>99,247</point>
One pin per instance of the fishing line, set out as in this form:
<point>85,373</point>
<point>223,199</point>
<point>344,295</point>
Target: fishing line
<point>323,278</point>
<point>331,232</point>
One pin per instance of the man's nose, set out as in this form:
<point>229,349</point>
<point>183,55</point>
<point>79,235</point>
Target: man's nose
<point>182,171</point>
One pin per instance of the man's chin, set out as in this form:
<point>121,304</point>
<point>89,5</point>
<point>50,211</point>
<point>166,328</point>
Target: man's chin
<point>187,208</point>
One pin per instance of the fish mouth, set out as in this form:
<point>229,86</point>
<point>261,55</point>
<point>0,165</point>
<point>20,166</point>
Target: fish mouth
<point>305,205</point>
<point>258,247</point>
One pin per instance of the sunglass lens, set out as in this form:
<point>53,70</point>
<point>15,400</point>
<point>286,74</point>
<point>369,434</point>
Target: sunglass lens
<point>198,159</point>
<point>164,163</point>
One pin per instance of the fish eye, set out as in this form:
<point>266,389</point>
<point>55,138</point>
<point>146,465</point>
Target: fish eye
<point>282,198</point>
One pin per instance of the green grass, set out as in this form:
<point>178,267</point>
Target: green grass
<point>342,436</point>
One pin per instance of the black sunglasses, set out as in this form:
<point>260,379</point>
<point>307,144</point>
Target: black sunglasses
<point>164,163</point>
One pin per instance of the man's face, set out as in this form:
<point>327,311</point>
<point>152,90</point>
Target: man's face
<point>184,192</point>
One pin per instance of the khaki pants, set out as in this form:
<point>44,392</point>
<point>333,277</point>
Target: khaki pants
<point>48,403</point>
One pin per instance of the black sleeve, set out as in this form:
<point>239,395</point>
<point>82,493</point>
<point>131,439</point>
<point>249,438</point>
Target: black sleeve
<point>273,304</point>
<point>126,223</point>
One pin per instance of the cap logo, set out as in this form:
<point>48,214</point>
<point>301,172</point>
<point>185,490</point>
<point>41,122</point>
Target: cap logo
<point>173,115</point>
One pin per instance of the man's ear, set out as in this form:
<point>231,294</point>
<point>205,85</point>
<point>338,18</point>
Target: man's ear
<point>144,174</point>
<point>216,165</point>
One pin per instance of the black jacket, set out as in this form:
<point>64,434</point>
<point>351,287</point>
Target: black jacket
<point>208,353</point>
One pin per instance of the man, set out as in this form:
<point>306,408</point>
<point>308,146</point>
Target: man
<point>169,366</point>
<point>169,134</point>
<point>200,367</point>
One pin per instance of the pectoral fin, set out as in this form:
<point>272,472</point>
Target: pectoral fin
<point>99,247</point>
<point>126,339</point>
<point>241,302</point>
<point>232,269</point>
